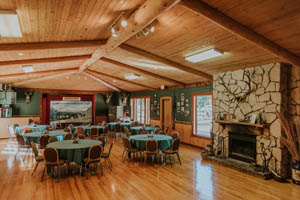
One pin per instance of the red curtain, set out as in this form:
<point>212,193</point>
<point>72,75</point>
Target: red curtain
<point>50,97</point>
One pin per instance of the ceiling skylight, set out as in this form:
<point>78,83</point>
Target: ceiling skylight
<point>205,55</point>
<point>132,76</point>
<point>9,24</point>
<point>28,69</point>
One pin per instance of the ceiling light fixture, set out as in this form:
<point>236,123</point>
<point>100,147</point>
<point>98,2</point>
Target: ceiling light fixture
<point>132,76</point>
<point>21,54</point>
<point>124,23</point>
<point>205,55</point>
<point>9,24</point>
<point>28,69</point>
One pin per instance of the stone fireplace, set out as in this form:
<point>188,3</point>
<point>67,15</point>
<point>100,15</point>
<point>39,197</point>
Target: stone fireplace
<point>260,90</point>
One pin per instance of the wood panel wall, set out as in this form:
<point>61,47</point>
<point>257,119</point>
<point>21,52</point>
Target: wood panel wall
<point>185,131</point>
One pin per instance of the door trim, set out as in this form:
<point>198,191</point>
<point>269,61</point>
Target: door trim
<point>161,103</point>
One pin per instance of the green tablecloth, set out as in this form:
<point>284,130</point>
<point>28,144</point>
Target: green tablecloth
<point>36,128</point>
<point>35,136</point>
<point>139,141</point>
<point>135,130</point>
<point>87,129</point>
<point>74,152</point>
<point>111,125</point>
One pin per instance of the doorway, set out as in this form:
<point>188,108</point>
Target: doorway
<point>166,114</point>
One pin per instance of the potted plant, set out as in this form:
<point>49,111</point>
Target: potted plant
<point>292,142</point>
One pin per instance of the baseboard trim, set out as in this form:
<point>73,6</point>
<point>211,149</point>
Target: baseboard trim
<point>192,145</point>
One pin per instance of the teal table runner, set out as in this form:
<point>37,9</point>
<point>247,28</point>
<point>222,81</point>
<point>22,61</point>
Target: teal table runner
<point>139,141</point>
<point>74,152</point>
<point>87,129</point>
<point>135,130</point>
<point>35,136</point>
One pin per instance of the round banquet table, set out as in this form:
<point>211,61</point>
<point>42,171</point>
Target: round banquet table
<point>139,141</point>
<point>35,136</point>
<point>36,128</point>
<point>135,130</point>
<point>87,129</point>
<point>74,152</point>
<point>111,125</point>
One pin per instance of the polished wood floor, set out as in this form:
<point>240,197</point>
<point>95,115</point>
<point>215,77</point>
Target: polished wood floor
<point>195,179</point>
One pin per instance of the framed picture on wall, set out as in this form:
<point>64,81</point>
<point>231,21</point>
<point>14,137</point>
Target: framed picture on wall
<point>182,97</point>
<point>186,100</point>
<point>182,109</point>
<point>187,105</point>
<point>178,104</point>
<point>182,103</point>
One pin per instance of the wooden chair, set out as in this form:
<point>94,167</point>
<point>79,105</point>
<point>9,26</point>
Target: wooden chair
<point>94,133</point>
<point>151,149</point>
<point>127,132</point>
<point>128,149</point>
<point>162,133</point>
<point>175,135</point>
<point>82,137</point>
<point>27,130</point>
<point>38,158</point>
<point>157,131</point>
<point>94,156</point>
<point>173,151</point>
<point>166,130</point>
<point>67,129</point>
<point>103,139</point>
<point>44,140</point>
<point>53,139</point>
<point>106,130</point>
<point>80,131</point>
<point>68,136</point>
<point>52,160</point>
<point>106,157</point>
<point>143,131</point>
<point>22,144</point>
<point>118,130</point>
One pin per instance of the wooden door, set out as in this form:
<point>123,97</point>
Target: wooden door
<point>166,113</point>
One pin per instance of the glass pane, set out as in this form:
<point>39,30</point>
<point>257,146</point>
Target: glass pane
<point>203,112</point>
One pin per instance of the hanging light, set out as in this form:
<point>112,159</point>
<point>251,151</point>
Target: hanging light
<point>152,29</point>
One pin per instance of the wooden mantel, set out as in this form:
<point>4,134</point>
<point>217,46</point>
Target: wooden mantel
<point>226,122</point>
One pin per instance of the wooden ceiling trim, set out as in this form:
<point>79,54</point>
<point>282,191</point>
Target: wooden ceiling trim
<point>44,78</point>
<point>165,61</point>
<point>51,45</point>
<point>123,65</point>
<point>240,30</point>
<point>12,76</point>
<point>102,82</point>
<point>140,18</point>
<point>44,60</point>
<point>120,79</point>
<point>64,92</point>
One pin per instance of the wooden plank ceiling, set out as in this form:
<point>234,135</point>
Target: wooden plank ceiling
<point>61,37</point>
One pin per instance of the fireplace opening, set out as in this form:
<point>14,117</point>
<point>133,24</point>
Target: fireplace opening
<point>242,147</point>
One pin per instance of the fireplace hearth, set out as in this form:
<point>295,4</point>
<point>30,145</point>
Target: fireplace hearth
<point>242,147</point>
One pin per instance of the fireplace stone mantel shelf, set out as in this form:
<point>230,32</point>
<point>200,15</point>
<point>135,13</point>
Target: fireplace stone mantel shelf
<point>226,122</point>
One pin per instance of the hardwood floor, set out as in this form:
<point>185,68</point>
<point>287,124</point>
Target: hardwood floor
<point>195,179</point>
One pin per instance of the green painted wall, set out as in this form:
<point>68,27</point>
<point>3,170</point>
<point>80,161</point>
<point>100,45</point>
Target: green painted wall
<point>101,106</point>
<point>22,108</point>
<point>175,94</point>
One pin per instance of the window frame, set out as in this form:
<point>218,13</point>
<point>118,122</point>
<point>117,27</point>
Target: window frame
<point>133,102</point>
<point>193,114</point>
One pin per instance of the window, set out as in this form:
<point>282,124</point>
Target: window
<point>140,109</point>
<point>202,114</point>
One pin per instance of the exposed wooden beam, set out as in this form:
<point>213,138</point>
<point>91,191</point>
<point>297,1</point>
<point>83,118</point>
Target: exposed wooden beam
<point>102,82</point>
<point>125,66</point>
<point>50,45</point>
<point>165,61</point>
<point>54,91</point>
<point>12,76</point>
<point>43,78</point>
<point>120,79</point>
<point>219,18</point>
<point>138,20</point>
<point>44,60</point>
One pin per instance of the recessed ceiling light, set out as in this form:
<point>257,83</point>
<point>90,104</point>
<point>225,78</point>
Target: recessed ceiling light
<point>152,29</point>
<point>9,24</point>
<point>21,54</point>
<point>114,81</point>
<point>28,69</point>
<point>205,55</point>
<point>124,23</point>
<point>132,76</point>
